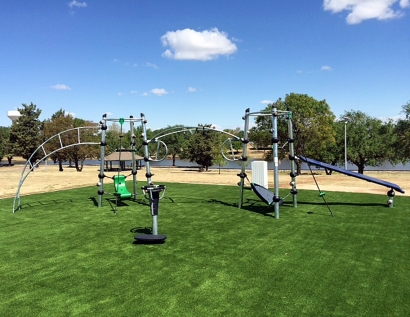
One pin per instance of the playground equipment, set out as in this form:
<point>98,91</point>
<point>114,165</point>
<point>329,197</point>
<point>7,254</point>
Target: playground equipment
<point>120,190</point>
<point>390,193</point>
<point>63,140</point>
<point>263,193</point>
<point>154,196</point>
<point>276,200</point>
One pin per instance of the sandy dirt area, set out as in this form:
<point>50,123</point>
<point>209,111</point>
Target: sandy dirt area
<point>48,178</point>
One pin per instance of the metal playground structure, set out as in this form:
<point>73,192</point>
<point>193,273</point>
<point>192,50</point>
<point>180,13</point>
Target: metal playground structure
<point>153,192</point>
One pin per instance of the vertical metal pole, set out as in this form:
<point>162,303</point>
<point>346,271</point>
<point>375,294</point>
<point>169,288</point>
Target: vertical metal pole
<point>154,199</point>
<point>103,143</point>
<point>275,141</point>
<point>134,164</point>
<point>146,152</point>
<point>345,145</point>
<point>292,159</point>
<point>244,157</point>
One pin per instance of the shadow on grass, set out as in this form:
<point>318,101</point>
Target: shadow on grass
<point>248,205</point>
<point>142,230</point>
<point>342,204</point>
<point>46,203</point>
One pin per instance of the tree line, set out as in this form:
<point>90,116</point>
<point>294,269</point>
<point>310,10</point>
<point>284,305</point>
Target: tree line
<point>317,134</point>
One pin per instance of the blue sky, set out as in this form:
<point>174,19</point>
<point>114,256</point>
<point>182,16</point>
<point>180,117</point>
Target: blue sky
<point>204,61</point>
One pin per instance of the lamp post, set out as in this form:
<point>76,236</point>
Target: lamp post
<point>346,120</point>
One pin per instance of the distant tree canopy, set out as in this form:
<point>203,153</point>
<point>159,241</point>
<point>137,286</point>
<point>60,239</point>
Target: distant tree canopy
<point>369,140</point>
<point>26,132</point>
<point>316,133</point>
<point>175,142</point>
<point>59,122</point>
<point>62,121</point>
<point>4,142</point>
<point>313,130</point>
<point>402,132</point>
<point>203,147</point>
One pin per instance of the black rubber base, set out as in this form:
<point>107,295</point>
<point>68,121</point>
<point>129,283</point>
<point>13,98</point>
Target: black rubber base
<point>150,238</point>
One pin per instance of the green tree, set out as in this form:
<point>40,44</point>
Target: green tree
<point>59,122</point>
<point>369,140</point>
<point>4,141</point>
<point>113,139</point>
<point>79,153</point>
<point>175,142</point>
<point>402,131</point>
<point>203,147</point>
<point>26,132</point>
<point>236,145</point>
<point>313,127</point>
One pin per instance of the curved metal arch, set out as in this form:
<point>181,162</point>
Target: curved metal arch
<point>156,159</point>
<point>24,173</point>
<point>233,137</point>
<point>191,130</point>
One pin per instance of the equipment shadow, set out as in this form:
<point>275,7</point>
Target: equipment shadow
<point>251,205</point>
<point>342,204</point>
<point>45,203</point>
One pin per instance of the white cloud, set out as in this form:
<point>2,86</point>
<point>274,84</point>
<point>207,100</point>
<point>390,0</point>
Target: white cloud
<point>405,3</point>
<point>134,92</point>
<point>189,44</point>
<point>266,101</point>
<point>60,87</point>
<point>191,89</point>
<point>77,4</point>
<point>148,64</point>
<point>361,10</point>
<point>326,68</point>
<point>159,92</point>
<point>119,94</point>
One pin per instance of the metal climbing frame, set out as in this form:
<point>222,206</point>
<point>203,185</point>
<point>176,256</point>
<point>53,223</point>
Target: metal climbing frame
<point>43,154</point>
<point>145,143</point>
<point>274,114</point>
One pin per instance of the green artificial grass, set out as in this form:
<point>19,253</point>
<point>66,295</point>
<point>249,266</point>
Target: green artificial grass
<point>62,256</point>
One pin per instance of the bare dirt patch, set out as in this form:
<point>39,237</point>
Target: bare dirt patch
<point>48,179</point>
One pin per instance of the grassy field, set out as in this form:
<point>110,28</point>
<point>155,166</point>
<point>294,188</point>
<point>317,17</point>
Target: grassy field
<point>63,256</point>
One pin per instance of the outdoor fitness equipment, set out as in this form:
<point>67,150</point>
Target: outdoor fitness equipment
<point>59,141</point>
<point>262,192</point>
<point>121,191</point>
<point>154,193</point>
<point>390,193</point>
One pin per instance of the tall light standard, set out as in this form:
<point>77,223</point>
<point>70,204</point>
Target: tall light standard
<point>346,120</point>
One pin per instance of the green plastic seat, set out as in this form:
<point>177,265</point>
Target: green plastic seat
<point>120,189</point>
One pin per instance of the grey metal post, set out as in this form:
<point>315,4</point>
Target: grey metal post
<point>292,159</point>
<point>244,157</point>
<point>146,152</point>
<point>346,120</point>
<point>148,171</point>
<point>134,166</point>
<point>103,123</point>
<point>275,141</point>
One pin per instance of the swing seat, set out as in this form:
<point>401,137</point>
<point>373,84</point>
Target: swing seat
<point>121,190</point>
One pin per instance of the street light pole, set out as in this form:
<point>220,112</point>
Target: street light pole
<point>346,120</point>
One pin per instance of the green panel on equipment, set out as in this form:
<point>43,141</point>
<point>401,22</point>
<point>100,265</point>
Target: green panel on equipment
<point>120,188</point>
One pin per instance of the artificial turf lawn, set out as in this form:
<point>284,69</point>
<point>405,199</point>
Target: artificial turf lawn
<point>62,256</point>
